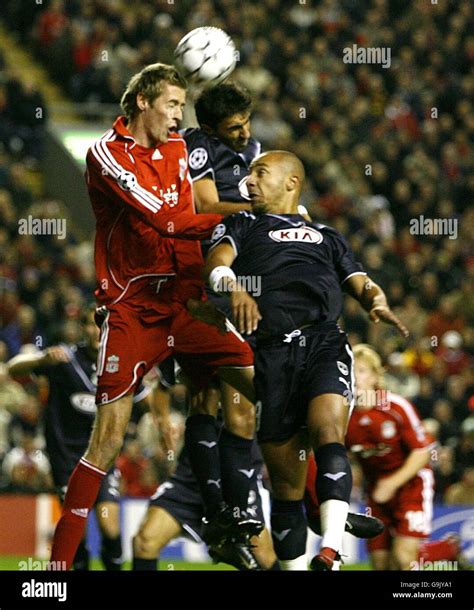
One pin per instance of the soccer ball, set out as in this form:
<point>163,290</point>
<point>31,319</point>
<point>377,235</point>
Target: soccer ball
<point>206,55</point>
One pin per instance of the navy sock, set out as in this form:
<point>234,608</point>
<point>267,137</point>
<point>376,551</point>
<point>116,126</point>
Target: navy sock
<point>81,558</point>
<point>236,468</point>
<point>142,565</point>
<point>201,438</point>
<point>334,478</point>
<point>111,554</point>
<point>289,528</point>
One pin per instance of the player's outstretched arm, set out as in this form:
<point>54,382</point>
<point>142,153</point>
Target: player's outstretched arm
<point>24,364</point>
<point>116,177</point>
<point>373,300</point>
<point>207,199</point>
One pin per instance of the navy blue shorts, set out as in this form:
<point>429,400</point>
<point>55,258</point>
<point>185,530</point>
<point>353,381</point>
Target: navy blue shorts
<point>293,369</point>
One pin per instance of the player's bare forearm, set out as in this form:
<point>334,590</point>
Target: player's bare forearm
<point>25,364</point>
<point>207,199</point>
<point>372,298</point>
<point>221,255</point>
<point>226,208</point>
<point>415,461</point>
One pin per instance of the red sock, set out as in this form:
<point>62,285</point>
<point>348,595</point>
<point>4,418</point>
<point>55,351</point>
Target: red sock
<point>436,550</point>
<point>82,491</point>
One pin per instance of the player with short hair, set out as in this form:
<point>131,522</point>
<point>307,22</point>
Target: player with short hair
<point>140,191</point>
<point>389,441</point>
<point>303,360</point>
<point>69,415</point>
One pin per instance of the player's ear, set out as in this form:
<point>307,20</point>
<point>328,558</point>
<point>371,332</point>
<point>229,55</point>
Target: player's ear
<point>142,102</point>
<point>292,183</point>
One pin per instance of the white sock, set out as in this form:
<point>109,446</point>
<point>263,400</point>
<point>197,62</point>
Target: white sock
<point>336,566</point>
<point>333,523</point>
<point>299,564</point>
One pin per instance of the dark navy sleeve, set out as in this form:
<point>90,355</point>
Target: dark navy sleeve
<point>344,258</point>
<point>200,160</point>
<point>231,230</point>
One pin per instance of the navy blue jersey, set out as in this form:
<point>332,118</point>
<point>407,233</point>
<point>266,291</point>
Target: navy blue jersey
<point>293,268</point>
<point>71,407</point>
<point>211,158</point>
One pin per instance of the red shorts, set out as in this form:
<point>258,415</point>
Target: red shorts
<point>409,513</point>
<point>131,344</point>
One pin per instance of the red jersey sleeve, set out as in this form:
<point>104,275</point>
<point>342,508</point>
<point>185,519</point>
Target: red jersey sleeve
<point>412,431</point>
<point>113,173</point>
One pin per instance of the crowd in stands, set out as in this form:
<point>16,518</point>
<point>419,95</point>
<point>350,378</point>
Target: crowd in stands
<point>383,147</point>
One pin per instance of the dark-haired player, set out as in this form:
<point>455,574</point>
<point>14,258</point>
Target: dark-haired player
<point>148,266</point>
<point>69,415</point>
<point>303,360</point>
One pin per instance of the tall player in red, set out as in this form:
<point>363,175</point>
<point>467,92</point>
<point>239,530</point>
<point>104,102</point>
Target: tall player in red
<point>389,441</point>
<point>140,191</point>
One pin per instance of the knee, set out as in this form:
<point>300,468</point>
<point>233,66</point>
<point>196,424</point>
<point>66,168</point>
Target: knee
<point>103,452</point>
<point>241,421</point>
<point>109,527</point>
<point>145,546</point>
<point>328,433</point>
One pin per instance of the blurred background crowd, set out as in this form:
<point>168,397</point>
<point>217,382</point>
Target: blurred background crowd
<point>382,146</point>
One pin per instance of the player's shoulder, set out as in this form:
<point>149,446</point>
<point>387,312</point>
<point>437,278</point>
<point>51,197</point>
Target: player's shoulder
<point>242,218</point>
<point>402,406</point>
<point>196,137</point>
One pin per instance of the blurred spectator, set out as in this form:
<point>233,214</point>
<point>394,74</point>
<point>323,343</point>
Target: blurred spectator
<point>445,471</point>
<point>463,491</point>
<point>451,353</point>
<point>138,477</point>
<point>399,378</point>
<point>26,468</point>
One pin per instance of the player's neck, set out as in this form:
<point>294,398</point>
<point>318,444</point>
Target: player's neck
<point>140,135</point>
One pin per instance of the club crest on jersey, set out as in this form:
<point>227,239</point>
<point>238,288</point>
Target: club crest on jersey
<point>304,234</point>
<point>171,195</point>
<point>218,232</point>
<point>112,365</point>
<point>198,158</point>
<point>388,429</point>
<point>127,181</point>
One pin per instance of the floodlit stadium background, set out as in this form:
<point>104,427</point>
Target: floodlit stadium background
<point>385,148</point>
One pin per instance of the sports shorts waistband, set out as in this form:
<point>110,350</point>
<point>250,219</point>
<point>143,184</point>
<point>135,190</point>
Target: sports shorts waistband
<point>305,330</point>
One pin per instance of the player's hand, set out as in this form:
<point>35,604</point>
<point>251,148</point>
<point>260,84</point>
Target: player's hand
<point>245,311</point>
<point>384,313</point>
<point>207,312</point>
<point>384,491</point>
<point>55,355</point>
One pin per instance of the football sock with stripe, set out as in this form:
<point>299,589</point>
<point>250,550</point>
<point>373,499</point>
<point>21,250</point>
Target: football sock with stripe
<point>83,488</point>
<point>236,468</point>
<point>333,487</point>
<point>289,532</point>
<point>201,441</point>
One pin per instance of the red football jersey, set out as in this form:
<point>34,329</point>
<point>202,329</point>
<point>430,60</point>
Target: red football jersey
<point>142,200</point>
<point>382,437</point>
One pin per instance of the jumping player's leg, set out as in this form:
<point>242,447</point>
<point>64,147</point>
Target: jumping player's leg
<point>287,465</point>
<point>263,551</point>
<point>327,423</point>
<point>405,552</point>
<point>156,531</point>
<point>83,487</point>
<point>380,559</point>
<point>201,439</point>
<point>235,445</point>
<point>108,519</point>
